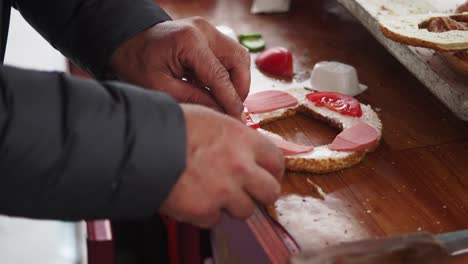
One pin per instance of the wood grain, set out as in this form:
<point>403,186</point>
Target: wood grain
<point>415,181</point>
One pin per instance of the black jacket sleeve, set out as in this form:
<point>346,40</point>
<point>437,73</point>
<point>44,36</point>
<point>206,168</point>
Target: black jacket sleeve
<point>89,31</point>
<point>77,149</point>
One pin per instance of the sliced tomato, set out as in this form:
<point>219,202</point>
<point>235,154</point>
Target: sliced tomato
<point>276,61</point>
<point>337,102</point>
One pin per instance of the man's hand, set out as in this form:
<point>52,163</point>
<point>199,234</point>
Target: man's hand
<point>229,168</point>
<point>161,56</point>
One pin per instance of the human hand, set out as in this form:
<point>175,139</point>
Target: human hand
<point>159,57</point>
<point>229,168</point>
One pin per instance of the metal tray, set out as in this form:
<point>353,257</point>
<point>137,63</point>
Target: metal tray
<point>432,71</point>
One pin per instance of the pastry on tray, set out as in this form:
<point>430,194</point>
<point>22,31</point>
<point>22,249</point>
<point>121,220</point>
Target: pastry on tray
<point>447,34</point>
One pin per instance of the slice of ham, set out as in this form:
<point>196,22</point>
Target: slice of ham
<point>268,101</point>
<point>290,148</point>
<point>360,136</point>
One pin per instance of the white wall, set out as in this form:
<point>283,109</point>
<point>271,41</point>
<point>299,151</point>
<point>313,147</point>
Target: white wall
<point>27,49</point>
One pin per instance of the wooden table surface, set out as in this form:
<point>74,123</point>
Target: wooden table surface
<point>417,180</point>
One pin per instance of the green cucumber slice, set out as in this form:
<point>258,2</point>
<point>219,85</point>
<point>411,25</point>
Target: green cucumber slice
<point>253,42</point>
<point>250,36</point>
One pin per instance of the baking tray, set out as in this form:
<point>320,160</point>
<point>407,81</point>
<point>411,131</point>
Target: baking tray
<point>450,87</point>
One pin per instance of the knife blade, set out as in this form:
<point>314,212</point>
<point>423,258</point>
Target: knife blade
<point>455,243</point>
<point>420,247</point>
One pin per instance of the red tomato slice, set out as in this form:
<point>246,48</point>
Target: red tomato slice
<point>337,102</point>
<point>276,61</point>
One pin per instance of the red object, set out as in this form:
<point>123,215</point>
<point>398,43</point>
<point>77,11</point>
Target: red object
<point>275,240</point>
<point>290,148</point>
<point>337,102</point>
<point>276,61</point>
<point>360,136</point>
<point>99,242</point>
<point>99,230</point>
<point>184,242</point>
<point>267,101</point>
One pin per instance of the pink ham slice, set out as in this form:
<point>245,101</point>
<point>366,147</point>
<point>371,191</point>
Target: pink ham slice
<point>267,101</point>
<point>360,136</point>
<point>290,148</point>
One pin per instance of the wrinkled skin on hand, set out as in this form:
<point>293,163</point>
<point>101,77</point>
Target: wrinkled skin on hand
<point>215,67</point>
<point>230,168</point>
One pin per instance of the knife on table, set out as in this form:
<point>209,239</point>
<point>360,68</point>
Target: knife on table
<point>421,247</point>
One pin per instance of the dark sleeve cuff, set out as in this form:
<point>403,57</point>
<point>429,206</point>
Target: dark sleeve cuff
<point>89,31</point>
<point>95,35</point>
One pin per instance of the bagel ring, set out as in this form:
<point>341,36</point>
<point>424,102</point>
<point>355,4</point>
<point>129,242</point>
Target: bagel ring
<point>321,159</point>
